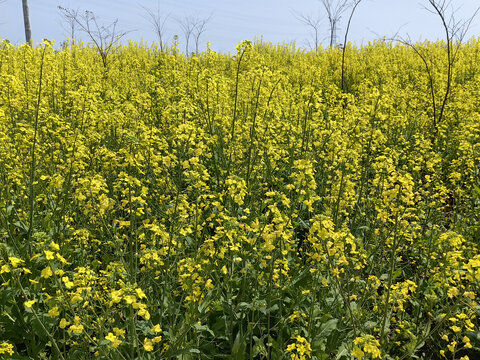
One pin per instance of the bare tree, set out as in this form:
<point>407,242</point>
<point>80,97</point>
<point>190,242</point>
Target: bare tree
<point>199,28</point>
<point>104,37</point>
<point>26,22</point>
<point>314,23</point>
<point>69,22</point>
<point>455,32</point>
<point>335,10</point>
<point>187,25</point>
<point>193,27</point>
<point>157,20</point>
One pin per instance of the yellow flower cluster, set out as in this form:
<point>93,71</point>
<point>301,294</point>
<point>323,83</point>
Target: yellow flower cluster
<point>6,348</point>
<point>366,345</point>
<point>300,349</point>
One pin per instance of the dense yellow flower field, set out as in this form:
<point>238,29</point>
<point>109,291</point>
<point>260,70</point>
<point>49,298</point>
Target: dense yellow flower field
<point>240,206</point>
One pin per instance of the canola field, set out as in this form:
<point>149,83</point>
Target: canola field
<point>240,206</point>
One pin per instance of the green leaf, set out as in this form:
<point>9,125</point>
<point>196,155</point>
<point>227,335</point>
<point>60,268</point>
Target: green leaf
<point>396,274</point>
<point>327,328</point>
<point>244,306</point>
<point>204,328</point>
<point>21,225</point>
<point>182,352</point>
<point>259,348</point>
<point>342,352</point>
<point>239,347</point>
<point>370,324</point>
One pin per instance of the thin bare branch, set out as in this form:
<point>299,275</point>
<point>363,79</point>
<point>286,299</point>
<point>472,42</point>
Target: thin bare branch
<point>187,25</point>
<point>104,37</point>
<point>193,27</point>
<point>199,29</point>
<point>157,20</point>
<point>455,31</point>
<point>354,5</point>
<point>69,23</point>
<point>314,23</point>
<point>335,10</point>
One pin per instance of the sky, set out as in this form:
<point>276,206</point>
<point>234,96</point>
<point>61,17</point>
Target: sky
<point>230,21</point>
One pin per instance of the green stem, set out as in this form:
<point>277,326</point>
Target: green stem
<point>54,343</point>
<point>390,274</point>
<point>33,164</point>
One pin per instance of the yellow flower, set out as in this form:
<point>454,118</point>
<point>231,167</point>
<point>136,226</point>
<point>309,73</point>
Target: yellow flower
<point>370,345</point>
<point>373,349</point>
<point>140,293</point>
<point>76,328</point>
<point>15,261</point>
<point>358,353</point>
<point>291,347</point>
<point>144,313</point>
<point>116,296</point>
<point>156,329</point>
<point>53,312</point>
<point>63,323</point>
<point>209,285</point>
<point>113,339</point>
<point>68,284</point>
<point>453,291</point>
<point>76,298</point>
<point>148,345</point>
<point>157,339</point>
<point>49,254</point>
<point>300,349</point>
<point>29,303</point>
<point>62,259</point>
<point>456,328</point>
<point>47,272</point>
<point>451,347</point>
<point>129,299</point>
<point>59,272</point>
<point>119,332</point>
<point>466,341</point>
<point>6,348</point>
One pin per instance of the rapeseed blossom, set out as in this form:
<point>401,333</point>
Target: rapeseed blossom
<point>113,339</point>
<point>248,201</point>
<point>6,348</point>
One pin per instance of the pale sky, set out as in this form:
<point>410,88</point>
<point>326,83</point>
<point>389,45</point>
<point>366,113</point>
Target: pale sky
<point>234,21</point>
